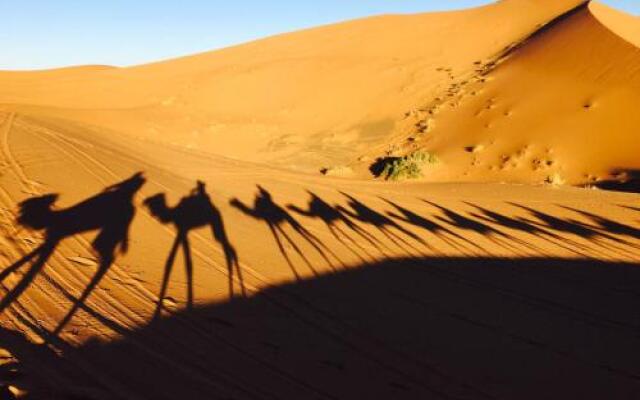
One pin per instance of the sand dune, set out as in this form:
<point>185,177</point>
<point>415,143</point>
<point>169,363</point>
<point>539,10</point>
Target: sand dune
<point>560,104</point>
<point>304,100</point>
<point>165,231</point>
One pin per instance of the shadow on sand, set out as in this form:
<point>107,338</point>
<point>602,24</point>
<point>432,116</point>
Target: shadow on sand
<point>628,180</point>
<point>193,211</point>
<point>278,219</point>
<point>418,327</point>
<point>109,213</point>
<point>412,328</point>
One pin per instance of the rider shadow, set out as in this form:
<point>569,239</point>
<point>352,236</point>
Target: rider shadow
<point>276,217</point>
<point>110,213</point>
<point>193,211</point>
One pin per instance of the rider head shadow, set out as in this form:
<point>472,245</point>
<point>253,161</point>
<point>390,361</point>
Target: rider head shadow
<point>109,212</point>
<point>195,210</point>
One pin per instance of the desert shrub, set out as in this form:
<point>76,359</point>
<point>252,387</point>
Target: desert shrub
<point>407,167</point>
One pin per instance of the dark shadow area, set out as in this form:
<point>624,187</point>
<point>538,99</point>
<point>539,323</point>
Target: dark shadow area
<point>109,212</point>
<point>412,328</point>
<point>378,167</point>
<point>42,374</point>
<point>277,219</point>
<point>193,211</point>
<point>626,180</point>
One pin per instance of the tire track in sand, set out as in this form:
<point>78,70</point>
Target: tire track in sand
<point>28,185</point>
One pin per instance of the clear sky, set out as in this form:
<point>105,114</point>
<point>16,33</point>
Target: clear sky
<point>52,33</point>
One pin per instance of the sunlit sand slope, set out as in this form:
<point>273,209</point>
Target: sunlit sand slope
<point>305,100</point>
<point>558,108</point>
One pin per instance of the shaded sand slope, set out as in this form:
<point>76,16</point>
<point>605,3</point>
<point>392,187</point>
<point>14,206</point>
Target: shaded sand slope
<point>304,100</point>
<point>353,288</point>
<point>560,107</point>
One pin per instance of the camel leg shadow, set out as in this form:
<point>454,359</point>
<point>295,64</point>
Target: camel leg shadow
<point>181,241</point>
<point>43,253</point>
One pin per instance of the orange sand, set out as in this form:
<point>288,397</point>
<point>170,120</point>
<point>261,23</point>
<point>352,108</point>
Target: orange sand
<point>476,282</point>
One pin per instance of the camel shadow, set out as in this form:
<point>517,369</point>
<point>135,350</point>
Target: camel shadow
<point>447,235</point>
<point>193,211</point>
<point>276,218</point>
<point>109,212</point>
<point>605,243</point>
<point>338,225</point>
<point>495,235</point>
<point>385,225</point>
<point>607,225</point>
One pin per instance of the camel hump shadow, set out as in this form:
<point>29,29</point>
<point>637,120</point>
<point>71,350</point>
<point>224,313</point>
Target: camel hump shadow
<point>192,211</point>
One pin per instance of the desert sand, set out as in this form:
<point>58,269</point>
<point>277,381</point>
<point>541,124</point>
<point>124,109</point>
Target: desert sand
<point>166,231</point>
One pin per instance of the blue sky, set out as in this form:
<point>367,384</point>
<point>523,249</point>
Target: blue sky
<point>52,33</point>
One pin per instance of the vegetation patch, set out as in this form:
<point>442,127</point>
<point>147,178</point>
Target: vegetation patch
<point>400,168</point>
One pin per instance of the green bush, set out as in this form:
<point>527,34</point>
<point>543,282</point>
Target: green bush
<point>407,167</point>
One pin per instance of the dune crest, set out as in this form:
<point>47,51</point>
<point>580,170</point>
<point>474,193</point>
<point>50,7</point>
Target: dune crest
<point>625,25</point>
